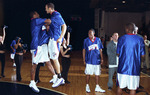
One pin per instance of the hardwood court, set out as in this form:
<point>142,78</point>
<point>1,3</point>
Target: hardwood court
<point>76,77</point>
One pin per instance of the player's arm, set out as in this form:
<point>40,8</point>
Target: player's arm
<point>64,27</point>
<point>83,52</point>
<point>101,55</point>
<point>12,48</point>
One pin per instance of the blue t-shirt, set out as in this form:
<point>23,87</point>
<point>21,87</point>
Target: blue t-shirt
<point>55,26</point>
<point>13,45</point>
<point>36,27</point>
<point>43,37</point>
<point>130,48</point>
<point>92,53</point>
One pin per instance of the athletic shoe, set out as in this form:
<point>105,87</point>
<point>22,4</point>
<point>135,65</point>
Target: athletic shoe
<point>54,79</point>
<point>88,89</point>
<point>99,89</point>
<point>59,81</point>
<point>33,86</point>
<point>14,65</point>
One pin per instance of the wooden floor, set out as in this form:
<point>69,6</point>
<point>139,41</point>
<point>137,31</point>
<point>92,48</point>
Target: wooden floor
<point>76,77</point>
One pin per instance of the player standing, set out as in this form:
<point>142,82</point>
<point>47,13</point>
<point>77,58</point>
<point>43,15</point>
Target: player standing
<point>92,57</point>
<point>57,32</point>
<point>13,51</point>
<point>130,49</point>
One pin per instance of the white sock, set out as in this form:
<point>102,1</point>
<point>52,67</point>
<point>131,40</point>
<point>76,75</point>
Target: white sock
<point>87,84</point>
<point>97,85</point>
<point>32,81</point>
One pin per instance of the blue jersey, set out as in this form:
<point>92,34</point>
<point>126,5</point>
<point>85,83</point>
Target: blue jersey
<point>130,48</point>
<point>92,53</point>
<point>43,37</point>
<point>55,26</point>
<point>13,45</point>
<point>36,27</point>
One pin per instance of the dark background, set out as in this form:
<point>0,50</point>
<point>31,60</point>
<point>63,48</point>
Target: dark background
<point>76,14</point>
<point>79,14</point>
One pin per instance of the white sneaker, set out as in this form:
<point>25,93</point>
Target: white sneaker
<point>54,79</point>
<point>58,82</point>
<point>14,65</point>
<point>99,89</point>
<point>88,88</point>
<point>34,87</point>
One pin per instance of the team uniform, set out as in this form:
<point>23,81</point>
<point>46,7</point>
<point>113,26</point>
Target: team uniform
<point>92,56</point>
<point>39,49</point>
<point>12,54</point>
<point>54,33</point>
<point>130,48</point>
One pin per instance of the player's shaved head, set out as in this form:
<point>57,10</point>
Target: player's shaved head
<point>51,5</point>
<point>130,27</point>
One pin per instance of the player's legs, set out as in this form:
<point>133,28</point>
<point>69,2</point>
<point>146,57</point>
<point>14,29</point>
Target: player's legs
<point>132,92</point>
<point>37,80</point>
<point>12,56</point>
<point>50,67</point>
<point>33,69</point>
<point>119,91</point>
<point>87,79</point>
<point>53,49</point>
<point>96,79</point>
<point>97,72</point>
<point>57,67</point>
<point>87,83</point>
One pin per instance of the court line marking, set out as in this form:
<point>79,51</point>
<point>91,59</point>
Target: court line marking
<point>37,86</point>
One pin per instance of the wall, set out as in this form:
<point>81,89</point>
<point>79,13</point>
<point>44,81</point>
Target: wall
<point>115,21</point>
<point>1,16</point>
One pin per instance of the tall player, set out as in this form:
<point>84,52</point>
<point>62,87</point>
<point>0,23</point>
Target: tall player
<point>130,49</point>
<point>57,32</point>
<point>92,57</point>
<point>39,53</point>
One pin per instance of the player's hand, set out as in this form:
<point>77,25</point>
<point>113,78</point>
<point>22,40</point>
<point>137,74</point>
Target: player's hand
<point>59,40</point>
<point>102,61</point>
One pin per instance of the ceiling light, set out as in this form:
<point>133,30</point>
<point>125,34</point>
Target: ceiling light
<point>123,2</point>
<point>115,8</point>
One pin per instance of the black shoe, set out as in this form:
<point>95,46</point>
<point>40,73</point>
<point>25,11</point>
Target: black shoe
<point>141,87</point>
<point>67,82</point>
<point>19,79</point>
<point>38,81</point>
<point>3,76</point>
<point>109,88</point>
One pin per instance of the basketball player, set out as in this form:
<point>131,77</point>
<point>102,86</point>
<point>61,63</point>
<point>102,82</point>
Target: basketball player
<point>13,51</point>
<point>130,49</point>
<point>92,57</point>
<point>57,32</point>
<point>39,53</point>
